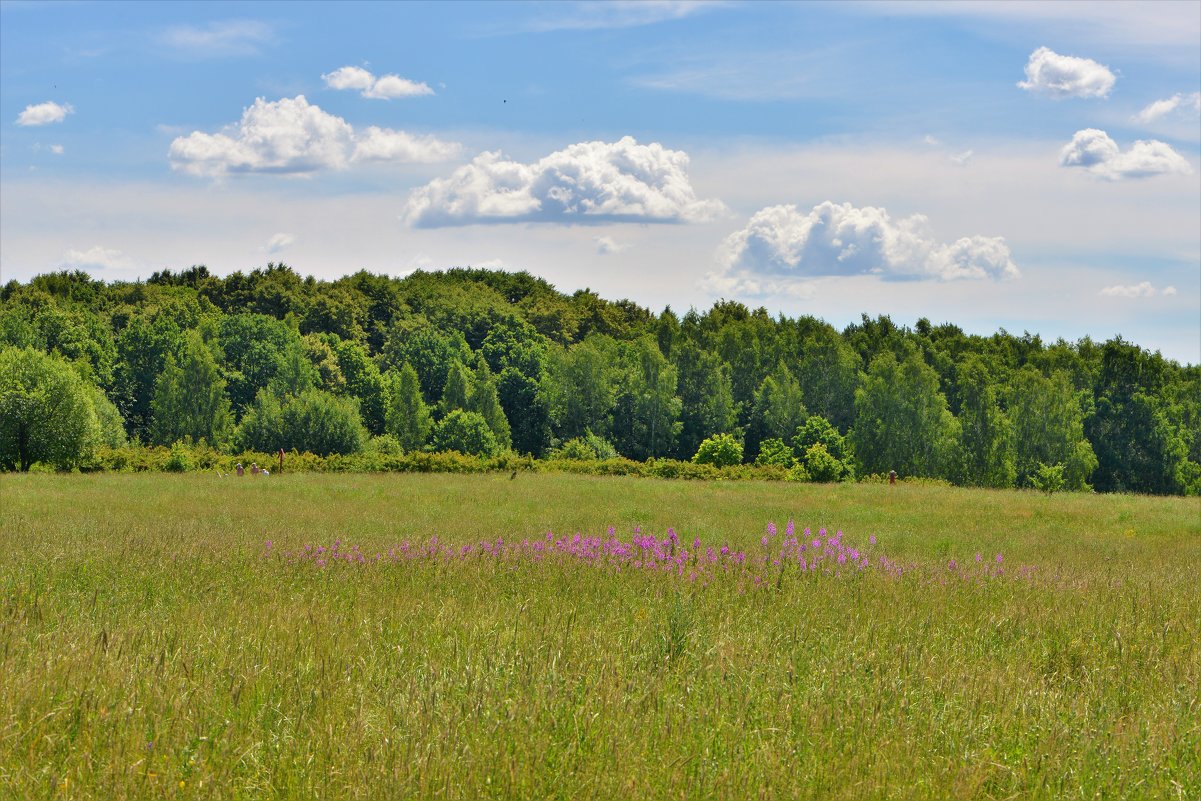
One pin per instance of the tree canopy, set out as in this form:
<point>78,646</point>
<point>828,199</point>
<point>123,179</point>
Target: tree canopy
<point>253,358</point>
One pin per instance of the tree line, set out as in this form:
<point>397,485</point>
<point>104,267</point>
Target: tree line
<point>484,362</point>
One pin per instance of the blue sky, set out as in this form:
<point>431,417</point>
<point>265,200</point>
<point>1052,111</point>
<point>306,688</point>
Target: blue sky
<point>1027,166</point>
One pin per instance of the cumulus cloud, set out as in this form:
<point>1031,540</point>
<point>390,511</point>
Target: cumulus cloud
<point>589,182</point>
<point>96,257</point>
<point>44,113</point>
<point>295,136</point>
<point>962,158</point>
<point>1142,290</point>
<point>384,87</point>
<point>1093,150</point>
<point>781,244</point>
<point>278,242</point>
<point>1049,73</point>
<point>1176,102</point>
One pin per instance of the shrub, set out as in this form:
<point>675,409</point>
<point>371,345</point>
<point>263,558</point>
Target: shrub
<point>797,473</point>
<point>465,432</point>
<point>1048,478</point>
<point>721,450</point>
<point>822,466</point>
<point>585,448</point>
<point>180,460</point>
<point>774,451</point>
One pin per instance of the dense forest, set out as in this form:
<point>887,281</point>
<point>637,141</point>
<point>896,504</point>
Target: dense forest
<point>486,362</point>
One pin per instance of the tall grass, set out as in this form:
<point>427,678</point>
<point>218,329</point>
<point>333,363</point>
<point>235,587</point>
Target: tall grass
<point>149,648</point>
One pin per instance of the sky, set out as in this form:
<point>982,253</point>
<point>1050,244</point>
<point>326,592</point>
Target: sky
<point>1027,166</point>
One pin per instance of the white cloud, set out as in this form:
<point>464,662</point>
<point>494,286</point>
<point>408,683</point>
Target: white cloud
<point>781,245</point>
<point>607,245</point>
<point>1141,290</point>
<point>219,39</point>
<point>96,257</point>
<point>295,136</point>
<point>1059,76</point>
<point>384,87</point>
<point>44,113</point>
<point>1160,108</point>
<point>1093,150</point>
<point>962,158</point>
<point>931,141</point>
<point>593,182</point>
<point>385,144</point>
<point>278,242</point>
<point>56,149</point>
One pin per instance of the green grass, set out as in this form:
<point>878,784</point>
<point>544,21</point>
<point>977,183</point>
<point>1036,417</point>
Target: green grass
<point>147,649</point>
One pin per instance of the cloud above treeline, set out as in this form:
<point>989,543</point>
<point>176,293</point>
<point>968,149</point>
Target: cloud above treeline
<point>96,257</point>
<point>1095,151</point>
<point>44,113</point>
<point>293,136</point>
<point>1142,290</point>
<point>1052,74</point>
<point>384,87</point>
<point>589,182</point>
<point>781,245</point>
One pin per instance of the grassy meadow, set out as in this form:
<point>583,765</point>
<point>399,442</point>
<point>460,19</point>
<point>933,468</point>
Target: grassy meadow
<point>150,646</point>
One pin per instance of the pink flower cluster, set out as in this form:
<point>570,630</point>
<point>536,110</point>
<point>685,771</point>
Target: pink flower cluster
<point>805,553</point>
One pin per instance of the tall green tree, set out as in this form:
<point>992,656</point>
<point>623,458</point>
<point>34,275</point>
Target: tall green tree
<point>1048,424</point>
<point>902,421</point>
<point>777,411</point>
<point>580,389</point>
<point>407,417</point>
<point>430,352</point>
<point>829,374</point>
<point>455,389</point>
<point>986,435</point>
<point>189,397</point>
<point>46,411</point>
<point>1139,446</point>
<point>706,397</point>
<point>363,382</point>
<point>483,399</point>
<point>646,409</point>
<point>525,405</point>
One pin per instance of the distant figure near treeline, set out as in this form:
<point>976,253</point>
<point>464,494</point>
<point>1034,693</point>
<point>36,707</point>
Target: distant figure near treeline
<point>240,470</point>
<point>892,476</point>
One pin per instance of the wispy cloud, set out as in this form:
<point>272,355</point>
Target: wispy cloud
<point>278,242</point>
<point>96,257</point>
<point>618,14</point>
<point>218,39</point>
<point>607,245</point>
<point>1142,290</point>
<point>1119,23</point>
<point>1160,108</point>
